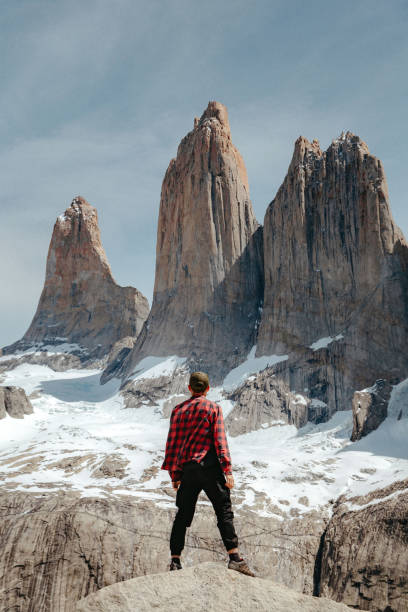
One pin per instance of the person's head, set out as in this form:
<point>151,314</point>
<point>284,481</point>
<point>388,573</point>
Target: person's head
<point>199,383</point>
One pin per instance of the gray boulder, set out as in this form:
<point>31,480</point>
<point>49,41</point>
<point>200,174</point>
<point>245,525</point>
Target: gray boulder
<point>2,403</point>
<point>370,408</point>
<point>14,401</point>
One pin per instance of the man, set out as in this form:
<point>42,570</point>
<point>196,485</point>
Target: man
<point>197,457</point>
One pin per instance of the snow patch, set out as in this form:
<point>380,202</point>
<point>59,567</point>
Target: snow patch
<point>324,342</point>
<point>154,367</point>
<point>356,507</point>
<point>252,365</point>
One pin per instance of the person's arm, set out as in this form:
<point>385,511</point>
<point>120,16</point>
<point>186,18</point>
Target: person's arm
<point>220,441</point>
<point>170,453</point>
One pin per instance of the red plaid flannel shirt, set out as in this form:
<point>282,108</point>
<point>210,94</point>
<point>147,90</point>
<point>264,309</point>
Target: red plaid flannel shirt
<point>194,425</point>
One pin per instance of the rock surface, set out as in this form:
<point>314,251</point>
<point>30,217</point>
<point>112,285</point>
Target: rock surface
<point>3,412</point>
<point>118,353</point>
<point>262,400</point>
<point>81,305</point>
<point>335,271</point>
<point>57,547</point>
<point>149,391</point>
<point>370,408</point>
<point>364,557</point>
<point>59,362</point>
<point>209,586</point>
<point>14,402</point>
<point>209,280</point>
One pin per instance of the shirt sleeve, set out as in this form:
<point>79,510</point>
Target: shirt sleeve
<point>169,462</point>
<point>220,441</point>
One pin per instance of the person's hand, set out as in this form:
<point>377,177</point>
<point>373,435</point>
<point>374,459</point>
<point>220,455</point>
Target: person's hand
<point>229,481</point>
<point>176,484</point>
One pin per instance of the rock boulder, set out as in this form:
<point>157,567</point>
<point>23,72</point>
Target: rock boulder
<point>209,586</point>
<point>14,401</point>
<point>370,408</point>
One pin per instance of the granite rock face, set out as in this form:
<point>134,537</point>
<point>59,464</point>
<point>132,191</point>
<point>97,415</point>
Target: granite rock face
<point>209,279</point>
<point>263,400</point>
<point>80,303</point>
<point>335,271</point>
<point>370,408</point>
<point>57,548</point>
<point>117,355</point>
<point>14,402</point>
<point>364,555</point>
<point>149,391</point>
<point>190,589</point>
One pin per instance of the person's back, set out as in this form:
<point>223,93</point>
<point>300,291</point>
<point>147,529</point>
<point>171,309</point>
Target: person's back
<point>198,458</point>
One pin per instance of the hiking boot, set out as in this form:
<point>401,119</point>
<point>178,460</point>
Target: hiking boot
<point>240,566</point>
<point>175,565</point>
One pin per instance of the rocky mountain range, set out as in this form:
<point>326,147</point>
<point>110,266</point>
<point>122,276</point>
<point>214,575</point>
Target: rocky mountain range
<point>322,285</point>
<point>302,324</point>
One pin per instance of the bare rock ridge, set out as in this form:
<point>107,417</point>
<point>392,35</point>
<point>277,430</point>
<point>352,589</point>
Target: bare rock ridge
<point>209,279</point>
<point>190,589</point>
<point>81,303</point>
<point>336,268</point>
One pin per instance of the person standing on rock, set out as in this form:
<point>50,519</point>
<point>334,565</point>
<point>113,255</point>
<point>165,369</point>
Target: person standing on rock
<point>197,457</point>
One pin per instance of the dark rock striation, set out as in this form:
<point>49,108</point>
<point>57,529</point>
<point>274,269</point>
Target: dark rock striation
<point>81,304</point>
<point>209,278</point>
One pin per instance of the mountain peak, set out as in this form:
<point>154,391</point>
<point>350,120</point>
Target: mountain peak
<point>80,299</point>
<point>208,281</point>
<point>302,147</point>
<point>348,139</point>
<point>216,110</point>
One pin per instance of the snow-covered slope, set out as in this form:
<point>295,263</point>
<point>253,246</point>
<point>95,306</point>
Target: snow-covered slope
<point>82,437</point>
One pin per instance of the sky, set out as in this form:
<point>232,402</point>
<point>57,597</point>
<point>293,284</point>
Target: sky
<point>96,96</point>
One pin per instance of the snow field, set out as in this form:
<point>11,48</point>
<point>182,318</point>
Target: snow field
<point>277,470</point>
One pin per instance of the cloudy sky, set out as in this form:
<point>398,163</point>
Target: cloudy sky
<point>96,95</point>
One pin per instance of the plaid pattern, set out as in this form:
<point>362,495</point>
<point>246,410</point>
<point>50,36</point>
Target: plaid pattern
<point>194,425</point>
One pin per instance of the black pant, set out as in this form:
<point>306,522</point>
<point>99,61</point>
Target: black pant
<point>195,478</point>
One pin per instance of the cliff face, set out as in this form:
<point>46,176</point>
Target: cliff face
<point>209,280</point>
<point>335,268</point>
<point>364,558</point>
<point>80,302</point>
<point>109,538</point>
